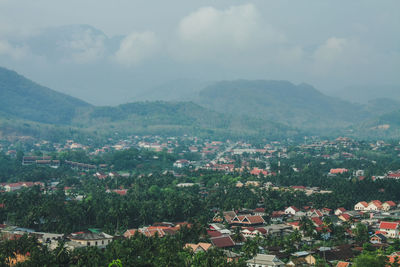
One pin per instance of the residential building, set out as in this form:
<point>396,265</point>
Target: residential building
<point>264,260</point>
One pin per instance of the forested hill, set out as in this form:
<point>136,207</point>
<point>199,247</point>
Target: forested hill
<point>24,99</point>
<point>177,118</point>
<point>297,105</point>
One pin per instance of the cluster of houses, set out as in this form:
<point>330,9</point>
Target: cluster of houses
<point>375,205</point>
<point>41,161</point>
<point>11,187</point>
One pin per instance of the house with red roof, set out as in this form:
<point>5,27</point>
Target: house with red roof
<point>344,217</point>
<point>291,210</point>
<point>374,205</point>
<point>388,205</point>
<point>389,229</point>
<point>317,221</point>
<point>314,213</point>
<point>259,211</point>
<point>362,205</point>
<point>339,211</point>
<point>224,241</point>
<point>247,220</point>
<point>393,175</point>
<point>258,172</point>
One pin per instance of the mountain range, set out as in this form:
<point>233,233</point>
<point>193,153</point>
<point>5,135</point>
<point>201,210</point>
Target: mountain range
<point>239,108</point>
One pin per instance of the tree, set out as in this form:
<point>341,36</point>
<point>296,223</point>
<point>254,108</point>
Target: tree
<point>361,233</point>
<point>370,260</point>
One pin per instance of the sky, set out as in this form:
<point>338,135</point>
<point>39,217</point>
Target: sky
<point>109,52</point>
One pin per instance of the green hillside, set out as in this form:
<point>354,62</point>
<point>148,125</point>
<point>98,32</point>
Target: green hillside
<point>178,118</point>
<point>24,99</point>
<point>281,101</point>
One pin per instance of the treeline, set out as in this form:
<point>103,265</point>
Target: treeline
<point>136,251</point>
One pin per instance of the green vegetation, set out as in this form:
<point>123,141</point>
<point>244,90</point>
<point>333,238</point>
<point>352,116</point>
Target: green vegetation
<point>22,98</point>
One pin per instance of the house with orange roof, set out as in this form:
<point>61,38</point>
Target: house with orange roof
<point>343,264</point>
<point>338,171</point>
<point>129,233</point>
<point>199,247</point>
<point>362,205</point>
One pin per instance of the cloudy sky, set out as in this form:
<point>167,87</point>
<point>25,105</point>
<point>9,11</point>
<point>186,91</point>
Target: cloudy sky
<point>108,52</point>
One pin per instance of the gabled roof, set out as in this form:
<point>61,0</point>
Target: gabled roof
<point>377,203</point>
<point>345,216</point>
<point>389,225</point>
<point>266,260</point>
<point>194,247</point>
<point>317,221</point>
<point>365,204</point>
<point>224,241</point>
<point>390,203</point>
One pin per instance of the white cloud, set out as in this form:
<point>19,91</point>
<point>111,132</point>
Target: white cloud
<point>84,47</point>
<point>209,33</point>
<point>136,47</point>
<point>15,52</point>
<point>339,56</point>
<point>331,50</point>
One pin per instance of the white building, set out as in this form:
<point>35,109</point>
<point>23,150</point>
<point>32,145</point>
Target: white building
<point>263,260</point>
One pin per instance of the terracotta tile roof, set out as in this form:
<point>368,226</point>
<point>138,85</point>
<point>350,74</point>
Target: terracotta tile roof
<point>365,204</point>
<point>259,210</point>
<point>389,225</point>
<point>317,221</point>
<point>391,203</point>
<point>214,233</point>
<point>194,247</point>
<point>345,217</point>
<point>343,264</point>
<point>255,219</point>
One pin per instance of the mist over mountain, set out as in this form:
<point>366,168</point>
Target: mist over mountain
<point>181,89</point>
<point>225,108</point>
<point>364,94</point>
<point>297,105</point>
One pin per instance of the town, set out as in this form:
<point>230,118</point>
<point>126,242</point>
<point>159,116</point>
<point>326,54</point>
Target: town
<point>311,202</point>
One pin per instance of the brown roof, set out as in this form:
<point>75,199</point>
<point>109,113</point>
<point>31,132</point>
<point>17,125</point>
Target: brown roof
<point>223,241</point>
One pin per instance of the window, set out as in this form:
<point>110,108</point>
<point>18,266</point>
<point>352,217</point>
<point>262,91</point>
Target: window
<point>95,243</point>
<point>88,243</point>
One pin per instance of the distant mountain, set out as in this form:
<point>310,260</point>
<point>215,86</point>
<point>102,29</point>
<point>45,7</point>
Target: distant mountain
<point>281,101</point>
<point>176,90</point>
<point>365,93</point>
<point>21,98</point>
<point>178,118</point>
